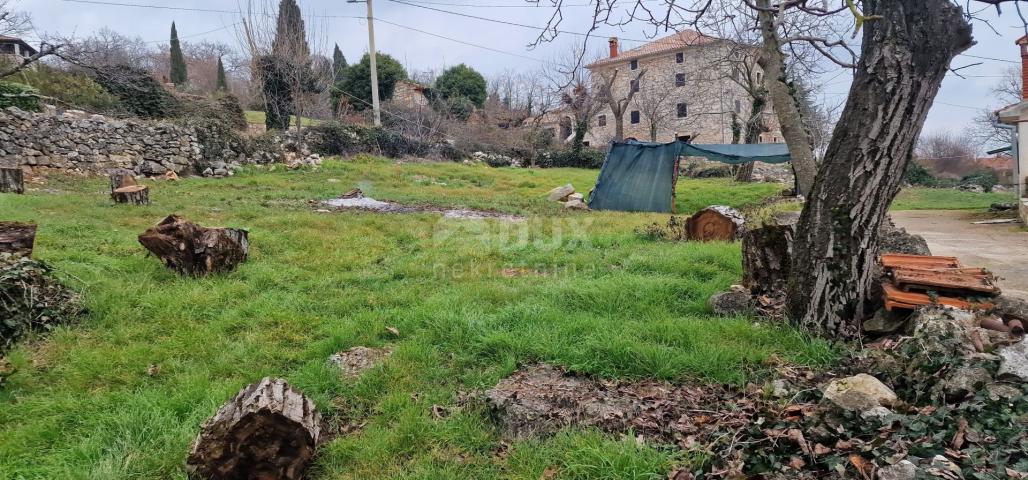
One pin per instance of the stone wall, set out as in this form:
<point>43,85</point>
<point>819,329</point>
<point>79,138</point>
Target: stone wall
<point>79,142</point>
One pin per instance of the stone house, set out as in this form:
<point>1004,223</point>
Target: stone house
<point>409,94</point>
<point>689,92</point>
<point>14,50</point>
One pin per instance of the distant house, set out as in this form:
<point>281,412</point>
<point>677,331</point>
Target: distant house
<point>409,94</point>
<point>15,49</point>
<point>1003,165</point>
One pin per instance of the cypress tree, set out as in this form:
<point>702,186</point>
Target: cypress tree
<point>222,81</point>
<point>290,34</point>
<point>338,64</point>
<point>178,75</point>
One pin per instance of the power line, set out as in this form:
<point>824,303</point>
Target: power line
<point>190,9</point>
<point>464,42</point>
<point>988,58</point>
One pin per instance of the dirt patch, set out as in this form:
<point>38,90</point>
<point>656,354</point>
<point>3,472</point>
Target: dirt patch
<point>357,360</point>
<point>355,200</point>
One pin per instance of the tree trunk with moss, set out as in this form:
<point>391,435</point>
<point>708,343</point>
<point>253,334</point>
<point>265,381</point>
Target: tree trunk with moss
<point>907,48</point>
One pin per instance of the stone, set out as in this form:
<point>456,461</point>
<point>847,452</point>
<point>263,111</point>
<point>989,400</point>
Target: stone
<point>944,467</point>
<point>894,239</point>
<point>220,172</point>
<point>1002,206</point>
<point>964,380</point>
<point>1014,361</point>
<point>207,172</point>
<point>903,470</point>
<point>560,193</point>
<point>732,303</point>
<point>885,322</point>
<point>152,168</point>
<point>780,388</point>
<point>575,205</point>
<point>859,393</point>
<point>875,412</point>
<point>1002,391</point>
<point>576,196</point>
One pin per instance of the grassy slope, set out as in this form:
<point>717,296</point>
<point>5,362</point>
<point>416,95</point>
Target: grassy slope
<point>83,406</point>
<point>254,116</point>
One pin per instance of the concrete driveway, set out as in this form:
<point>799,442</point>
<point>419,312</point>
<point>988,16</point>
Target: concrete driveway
<point>1002,248</point>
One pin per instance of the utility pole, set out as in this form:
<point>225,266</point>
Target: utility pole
<point>374,63</point>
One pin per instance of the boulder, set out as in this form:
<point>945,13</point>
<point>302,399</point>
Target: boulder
<point>559,194</point>
<point>859,393</point>
<point>732,303</point>
<point>574,204</point>
<point>886,322</point>
<point>895,239</point>
<point>964,380</point>
<point>1014,361</point>
<point>904,470</point>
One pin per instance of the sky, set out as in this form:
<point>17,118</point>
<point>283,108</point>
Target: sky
<point>422,38</point>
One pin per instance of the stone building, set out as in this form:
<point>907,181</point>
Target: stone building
<point>690,89</point>
<point>14,50</point>
<point>409,94</point>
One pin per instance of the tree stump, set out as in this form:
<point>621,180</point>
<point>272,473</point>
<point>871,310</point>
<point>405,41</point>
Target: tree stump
<point>191,249</point>
<point>17,238</point>
<point>120,177</point>
<point>267,432</point>
<point>716,222</point>
<point>134,194</point>
<point>12,180</point>
<point>767,258</point>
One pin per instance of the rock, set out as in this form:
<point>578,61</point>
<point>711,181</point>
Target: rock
<point>780,388</point>
<point>999,188</point>
<point>904,470</point>
<point>1014,361</point>
<point>1002,391</point>
<point>972,187</point>
<point>875,412</point>
<point>207,172</point>
<point>859,393</point>
<point>1002,206</point>
<point>944,467</point>
<point>152,168</point>
<point>884,322</point>
<point>964,380</point>
<point>894,239</point>
<point>575,205</point>
<point>576,196</point>
<point>732,303</point>
<point>1010,307</point>
<point>561,193</point>
<point>220,172</point>
<point>170,175</point>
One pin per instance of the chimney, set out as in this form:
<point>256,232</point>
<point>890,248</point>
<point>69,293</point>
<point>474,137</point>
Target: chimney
<point>614,49</point>
<point>1023,42</point>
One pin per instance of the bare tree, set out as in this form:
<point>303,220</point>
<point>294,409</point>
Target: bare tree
<point>946,153</point>
<point>608,94</point>
<point>986,131</point>
<point>656,106</point>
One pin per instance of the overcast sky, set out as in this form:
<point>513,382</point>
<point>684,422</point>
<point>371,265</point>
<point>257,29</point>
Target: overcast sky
<point>953,110</point>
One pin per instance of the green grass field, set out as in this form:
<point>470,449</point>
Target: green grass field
<point>254,116</point>
<point>608,302</point>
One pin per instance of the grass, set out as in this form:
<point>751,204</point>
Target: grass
<point>257,117</point>
<point>920,198</point>
<point>605,302</point>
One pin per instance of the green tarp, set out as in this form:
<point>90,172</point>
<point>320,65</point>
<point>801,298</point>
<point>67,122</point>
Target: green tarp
<point>639,177</point>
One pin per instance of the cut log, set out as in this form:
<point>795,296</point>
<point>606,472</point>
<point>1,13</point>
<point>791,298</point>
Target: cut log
<point>12,180</point>
<point>120,177</point>
<point>268,431</point>
<point>767,258</point>
<point>134,194</point>
<point>191,249</point>
<point>17,238</point>
<point>716,222</point>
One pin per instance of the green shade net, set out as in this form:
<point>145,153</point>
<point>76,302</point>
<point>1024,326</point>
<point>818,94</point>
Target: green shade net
<point>639,177</point>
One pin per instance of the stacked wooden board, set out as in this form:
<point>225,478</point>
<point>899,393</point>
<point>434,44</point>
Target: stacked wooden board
<point>915,280</point>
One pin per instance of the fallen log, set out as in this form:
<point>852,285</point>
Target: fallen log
<point>191,249</point>
<point>268,431</point>
<point>12,180</point>
<point>17,238</point>
<point>716,222</point>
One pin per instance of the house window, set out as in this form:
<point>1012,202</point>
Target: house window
<point>683,110</point>
<point>635,116</point>
<point>633,85</point>
<point>679,57</point>
<point>601,121</point>
<point>679,79</point>
<point>738,106</point>
<point>7,48</point>
<point>634,64</point>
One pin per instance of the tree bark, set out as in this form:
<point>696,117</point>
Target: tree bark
<point>790,120</point>
<point>191,249</point>
<point>12,180</point>
<point>136,195</point>
<point>17,238</point>
<point>754,127</point>
<point>906,53</point>
<point>767,258</point>
<point>120,177</point>
<point>268,431</point>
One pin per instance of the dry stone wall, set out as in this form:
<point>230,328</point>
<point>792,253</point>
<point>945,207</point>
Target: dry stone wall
<point>91,144</point>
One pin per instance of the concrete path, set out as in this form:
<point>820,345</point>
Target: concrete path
<point>1003,249</point>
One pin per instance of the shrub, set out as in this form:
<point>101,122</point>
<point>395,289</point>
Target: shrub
<point>19,95</point>
<point>71,89</point>
<point>462,82</point>
<point>137,91</point>
<point>357,81</point>
<point>224,108</point>
<point>918,175</point>
<point>586,158</point>
<point>984,178</point>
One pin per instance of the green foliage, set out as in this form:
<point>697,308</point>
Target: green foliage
<point>339,65</point>
<point>178,73</point>
<point>584,158</point>
<point>19,95</point>
<point>290,34</point>
<point>224,108</point>
<point>222,85</point>
<point>356,87</point>
<point>278,98</point>
<point>137,91</point>
<point>71,89</point>
<point>919,175</point>
<point>984,178</point>
<point>334,138</point>
<point>31,300</point>
<point>462,82</point>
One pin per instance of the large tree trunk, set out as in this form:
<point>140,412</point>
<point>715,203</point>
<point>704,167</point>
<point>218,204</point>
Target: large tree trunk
<point>12,180</point>
<point>268,431</point>
<point>790,120</point>
<point>906,53</point>
<point>191,249</point>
